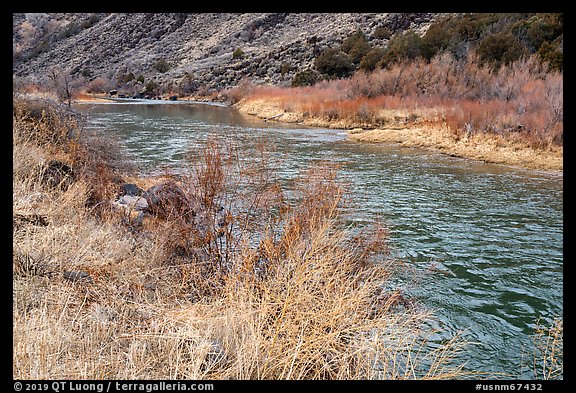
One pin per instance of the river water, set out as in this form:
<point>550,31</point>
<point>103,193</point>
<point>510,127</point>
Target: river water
<point>487,239</point>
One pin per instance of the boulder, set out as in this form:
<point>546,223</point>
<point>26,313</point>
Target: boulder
<point>132,202</point>
<point>130,189</point>
<point>167,199</point>
<point>77,276</point>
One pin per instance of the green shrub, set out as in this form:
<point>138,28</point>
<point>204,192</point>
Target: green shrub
<point>305,78</point>
<point>151,87</point>
<point>535,30</point>
<point>238,53</point>
<point>140,78</point>
<point>162,66</point>
<point>500,48</point>
<point>405,46</point>
<point>371,60</point>
<point>382,33</point>
<point>285,68</point>
<point>86,73</point>
<point>333,63</point>
<point>435,40</point>
<point>551,55</point>
<point>356,46</point>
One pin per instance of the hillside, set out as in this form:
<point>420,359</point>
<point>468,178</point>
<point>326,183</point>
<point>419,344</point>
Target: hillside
<point>189,51</point>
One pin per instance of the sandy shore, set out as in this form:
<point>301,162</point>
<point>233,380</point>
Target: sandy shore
<point>493,149</point>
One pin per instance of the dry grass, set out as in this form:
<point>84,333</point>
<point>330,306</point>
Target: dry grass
<point>548,360</point>
<point>247,287</point>
<point>519,106</point>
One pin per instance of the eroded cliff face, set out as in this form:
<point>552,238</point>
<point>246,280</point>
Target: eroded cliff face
<point>171,49</point>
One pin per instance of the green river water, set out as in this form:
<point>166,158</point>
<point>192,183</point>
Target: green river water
<point>487,238</point>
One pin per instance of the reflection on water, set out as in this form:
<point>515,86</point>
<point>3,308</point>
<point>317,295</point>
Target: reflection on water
<point>489,237</point>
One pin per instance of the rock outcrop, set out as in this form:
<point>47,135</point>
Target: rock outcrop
<point>186,52</point>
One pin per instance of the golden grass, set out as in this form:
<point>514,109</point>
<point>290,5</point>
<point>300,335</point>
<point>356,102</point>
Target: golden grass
<point>513,115</point>
<point>289,295</point>
<point>416,128</point>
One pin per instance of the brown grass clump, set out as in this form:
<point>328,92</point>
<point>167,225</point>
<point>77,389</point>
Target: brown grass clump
<point>548,360</point>
<point>250,286</point>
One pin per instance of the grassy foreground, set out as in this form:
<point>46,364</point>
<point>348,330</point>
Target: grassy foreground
<point>226,281</point>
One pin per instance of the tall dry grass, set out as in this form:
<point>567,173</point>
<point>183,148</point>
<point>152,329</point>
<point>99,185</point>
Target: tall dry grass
<point>522,102</point>
<point>236,282</point>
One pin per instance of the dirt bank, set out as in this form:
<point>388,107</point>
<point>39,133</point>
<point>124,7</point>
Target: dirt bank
<point>494,149</point>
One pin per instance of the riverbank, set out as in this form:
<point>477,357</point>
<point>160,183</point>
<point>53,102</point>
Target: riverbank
<point>110,298</point>
<point>426,132</point>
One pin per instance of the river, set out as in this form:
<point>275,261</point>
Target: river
<point>487,239</point>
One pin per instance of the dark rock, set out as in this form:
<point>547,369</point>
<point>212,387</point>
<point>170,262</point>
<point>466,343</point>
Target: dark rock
<point>77,276</point>
<point>167,199</point>
<point>113,92</point>
<point>173,98</point>
<point>130,189</point>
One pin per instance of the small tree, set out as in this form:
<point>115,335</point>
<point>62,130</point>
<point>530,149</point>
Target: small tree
<point>62,83</point>
<point>162,66</point>
<point>305,78</point>
<point>285,68</point>
<point>500,48</point>
<point>238,53</point>
<point>382,33</point>
<point>372,58</point>
<point>151,87</point>
<point>435,40</point>
<point>356,46</point>
<point>333,63</point>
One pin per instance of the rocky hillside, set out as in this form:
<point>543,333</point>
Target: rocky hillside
<point>188,51</point>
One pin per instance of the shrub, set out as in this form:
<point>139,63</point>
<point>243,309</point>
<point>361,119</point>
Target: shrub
<point>382,33</point>
<point>98,85</point>
<point>334,63</point>
<point>549,54</point>
<point>188,84</point>
<point>435,39</point>
<point>162,66</point>
<point>407,45</point>
<point>371,59</point>
<point>127,77</point>
<point>285,68</point>
<point>151,87</point>
<point>356,46</point>
<point>500,48</point>
<point>305,78</point>
<point>238,53</point>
